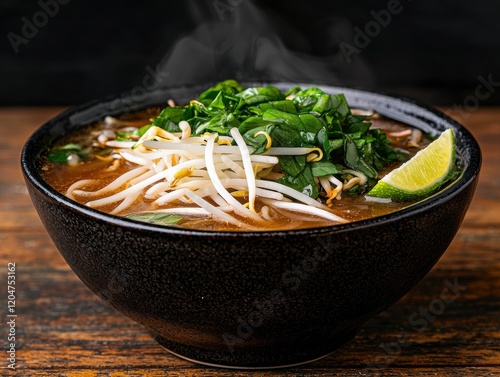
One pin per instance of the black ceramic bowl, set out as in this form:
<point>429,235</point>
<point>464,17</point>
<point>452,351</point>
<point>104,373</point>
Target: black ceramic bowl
<point>262,299</point>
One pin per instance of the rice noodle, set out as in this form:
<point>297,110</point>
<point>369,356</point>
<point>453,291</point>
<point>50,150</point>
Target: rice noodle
<point>120,144</point>
<point>134,158</point>
<point>113,185</point>
<point>127,202</point>
<point>71,189</point>
<point>141,177</point>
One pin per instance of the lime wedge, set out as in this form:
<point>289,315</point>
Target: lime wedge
<point>423,174</point>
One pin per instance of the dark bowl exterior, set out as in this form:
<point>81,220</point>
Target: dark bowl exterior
<point>253,299</point>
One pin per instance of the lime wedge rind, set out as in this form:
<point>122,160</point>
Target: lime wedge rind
<point>389,192</point>
<point>424,174</point>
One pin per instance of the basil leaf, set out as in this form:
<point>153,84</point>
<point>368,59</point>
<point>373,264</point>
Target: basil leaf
<point>340,107</point>
<point>229,87</point>
<point>323,104</point>
<point>252,96</point>
<point>312,118</point>
<point>69,147</point>
<point>220,102</point>
<point>281,117</point>
<point>292,165</point>
<point>286,136</point>
<point>156,218</point>
<point>174,114</point>
<point>164,123</point>
<point>59,155</point>
<point>336,144</point>
<point>357,127</point>
<point>311,125</point>
<point>304,182</point>
<point>220,123</point>
<point>251,123</point>
<point>285,105</point>
<point>259,142</point>
<point>323,168</point>
<point>293,91</point>
<point>354,161</point>
<point>306,99</point>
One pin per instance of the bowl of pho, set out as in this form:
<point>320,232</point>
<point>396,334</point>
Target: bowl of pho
<point>251,225</point>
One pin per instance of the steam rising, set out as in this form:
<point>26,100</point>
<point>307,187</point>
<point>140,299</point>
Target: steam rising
<point>239,41</point>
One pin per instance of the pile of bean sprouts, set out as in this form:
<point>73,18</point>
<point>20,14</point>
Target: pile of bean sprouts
<point>210,176</point>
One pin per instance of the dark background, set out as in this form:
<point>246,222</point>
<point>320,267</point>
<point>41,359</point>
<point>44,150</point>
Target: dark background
<point>435,51</point>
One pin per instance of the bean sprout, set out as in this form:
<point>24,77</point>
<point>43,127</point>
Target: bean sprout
<point>207,175</point>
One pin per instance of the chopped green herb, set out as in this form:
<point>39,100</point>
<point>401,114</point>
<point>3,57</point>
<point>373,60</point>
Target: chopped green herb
<point>307,118</point>
<point>60,155</point>
<point>311,118</point>
<point>156,218</point>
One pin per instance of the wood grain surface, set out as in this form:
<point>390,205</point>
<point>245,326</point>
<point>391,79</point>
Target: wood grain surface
<point>62,329</point>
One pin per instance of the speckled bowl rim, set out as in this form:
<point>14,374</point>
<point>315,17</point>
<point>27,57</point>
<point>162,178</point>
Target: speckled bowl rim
<point>398,108</point>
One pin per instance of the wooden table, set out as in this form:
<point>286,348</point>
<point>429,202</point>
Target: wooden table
<point>62,329</point>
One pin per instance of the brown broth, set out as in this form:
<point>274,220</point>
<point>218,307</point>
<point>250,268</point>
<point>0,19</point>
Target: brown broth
<point>352,208</point>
